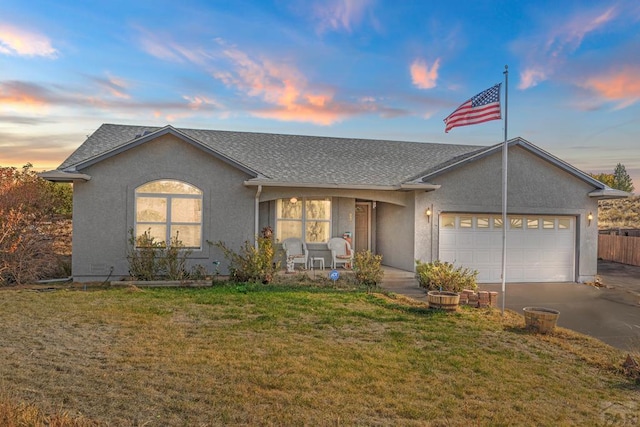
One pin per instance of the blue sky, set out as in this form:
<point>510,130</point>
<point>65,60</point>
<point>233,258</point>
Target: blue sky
<point>350,68</point>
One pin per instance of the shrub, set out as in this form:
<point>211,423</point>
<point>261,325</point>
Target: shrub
<point>150,259</point>
<point>367,268</point>
<point>28,205</point>
<point>444,276</point>
<point>252,264</point>
<point>173,262</point>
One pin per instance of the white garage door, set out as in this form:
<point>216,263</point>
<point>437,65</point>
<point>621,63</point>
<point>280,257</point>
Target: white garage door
<point>539,248</point>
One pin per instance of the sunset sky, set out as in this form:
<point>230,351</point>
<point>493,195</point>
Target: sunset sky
<point>348,68</point>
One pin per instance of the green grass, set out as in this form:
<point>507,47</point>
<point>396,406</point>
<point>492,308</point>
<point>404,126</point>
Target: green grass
<point>264,355</point>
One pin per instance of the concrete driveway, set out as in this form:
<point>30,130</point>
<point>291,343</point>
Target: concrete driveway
<point>610,313</point>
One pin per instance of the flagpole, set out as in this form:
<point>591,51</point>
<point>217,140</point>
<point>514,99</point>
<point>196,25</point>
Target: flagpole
<point>505,153</point>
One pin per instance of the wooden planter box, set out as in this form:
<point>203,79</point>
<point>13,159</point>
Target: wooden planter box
<point>540,319</point>
<point>443,300</point>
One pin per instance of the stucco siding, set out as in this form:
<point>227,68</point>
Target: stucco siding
<point>535,186</point>
<point>103,207</point>
<point>395,235</point>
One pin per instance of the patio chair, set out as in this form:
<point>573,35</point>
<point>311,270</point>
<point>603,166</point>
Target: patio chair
<point>295,251</point>
<point>341,252</point>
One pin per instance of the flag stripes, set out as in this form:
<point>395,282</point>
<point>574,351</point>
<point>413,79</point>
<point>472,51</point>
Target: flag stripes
<point>481,108</point>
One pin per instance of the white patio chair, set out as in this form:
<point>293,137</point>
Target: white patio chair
<point>341,252</point>
<point>295,251</point>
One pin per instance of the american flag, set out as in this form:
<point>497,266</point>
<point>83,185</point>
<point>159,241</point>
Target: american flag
<point>481,108</point>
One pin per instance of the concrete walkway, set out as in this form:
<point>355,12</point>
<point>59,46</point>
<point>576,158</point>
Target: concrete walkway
<point>610,314</point>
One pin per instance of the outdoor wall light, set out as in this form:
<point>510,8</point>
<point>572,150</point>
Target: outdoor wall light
<point>293,200</point>
<point>428,214</point>
<point>590,218</point>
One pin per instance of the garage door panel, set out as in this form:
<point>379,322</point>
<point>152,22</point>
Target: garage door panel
<point>515,256</point>
<point>447,239</point>
<point>464,257</point>
<point>483,257</point>
<point>537,254</point>
<point>464,240</point>
<point>448,255</point>
<point>483,240</point>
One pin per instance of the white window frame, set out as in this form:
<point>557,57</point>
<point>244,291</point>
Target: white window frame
<point>303,221</point>
<point>141,226</point>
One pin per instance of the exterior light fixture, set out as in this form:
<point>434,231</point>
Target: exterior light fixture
<point>293,200</point>
<point>428,214</point>
<point>590,218</point>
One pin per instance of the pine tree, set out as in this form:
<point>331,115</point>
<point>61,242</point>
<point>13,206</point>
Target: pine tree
<point>622,180</point>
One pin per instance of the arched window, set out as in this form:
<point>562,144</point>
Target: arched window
<point>169,208</point>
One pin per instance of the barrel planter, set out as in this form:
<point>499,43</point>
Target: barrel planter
<point>540,319</point>
<point>443,300</point>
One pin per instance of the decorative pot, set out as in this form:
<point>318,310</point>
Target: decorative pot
<point>540,319</point>
<point>443,300</point>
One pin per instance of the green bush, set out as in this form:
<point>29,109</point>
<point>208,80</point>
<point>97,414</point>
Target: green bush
<point>252,264</point>
<point>367,268</point>
<point>150,259</point>
<point>444,276</point>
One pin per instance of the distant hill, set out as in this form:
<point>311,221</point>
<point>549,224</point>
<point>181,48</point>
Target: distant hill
<point>619,213</point>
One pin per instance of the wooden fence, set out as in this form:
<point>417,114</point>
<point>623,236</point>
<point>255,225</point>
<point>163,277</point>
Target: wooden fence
<point>623,249</point>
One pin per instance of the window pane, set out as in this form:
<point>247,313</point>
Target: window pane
<point>288,210</point>
<point>497,222</point>
<point>532,223</point>
<point>151,209</point>
<point>159,201</point>
<point>516,222</point>
<point>483,222</point>
<point>466,222</point>
<point>156,231</point>
<point>564,223</point>
<point>318,209</point>
<point>186,210</point>
<point>189,235</point>
<point>317,231</point>
<point>168,187</point>
<point>286,229</point>
<point>447,221</point>
<point>548,224</point>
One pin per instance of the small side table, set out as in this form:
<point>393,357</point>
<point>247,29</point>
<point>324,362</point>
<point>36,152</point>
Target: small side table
<point>319,260</point>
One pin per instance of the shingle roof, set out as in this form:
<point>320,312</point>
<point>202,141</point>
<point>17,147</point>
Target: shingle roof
<point>295,158</point>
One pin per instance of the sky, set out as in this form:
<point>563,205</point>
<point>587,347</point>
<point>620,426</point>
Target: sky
<point>346,68</point>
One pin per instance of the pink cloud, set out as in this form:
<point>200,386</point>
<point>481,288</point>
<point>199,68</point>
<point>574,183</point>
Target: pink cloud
<point>569,36</point>
<point>115,86</point>
<point>622,86</point>
<point>549,50</point>
<point>530,77</point>
<point>283,87</point>
<point>22,42</point>
<point>201,102</point>
<point>422,76</point>
<point>16,95</point>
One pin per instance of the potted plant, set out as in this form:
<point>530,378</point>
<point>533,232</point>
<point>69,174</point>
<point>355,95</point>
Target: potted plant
<point>444,282</point>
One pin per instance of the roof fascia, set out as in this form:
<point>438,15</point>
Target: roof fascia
<point>61,176</point>
<point>167,130</point>
<point>609,193</point>
<point>405,187</point>
<point>532,149</point>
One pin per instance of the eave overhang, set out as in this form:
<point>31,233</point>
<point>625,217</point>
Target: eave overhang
<point>342,186</point>
<point>609,193</point>
<point>62,176</point>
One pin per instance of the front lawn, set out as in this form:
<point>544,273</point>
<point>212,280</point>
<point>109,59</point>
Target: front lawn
<point>263,355</point>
